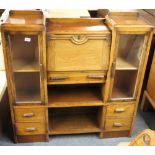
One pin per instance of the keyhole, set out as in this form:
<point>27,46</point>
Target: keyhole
<point>78,37</point>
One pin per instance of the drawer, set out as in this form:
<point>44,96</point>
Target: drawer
<point>26,114</point>
<point>118,124</point>
<point>77,52</point>
<point>120,110</point>
<point>76,77</point>
<point>30,128</point>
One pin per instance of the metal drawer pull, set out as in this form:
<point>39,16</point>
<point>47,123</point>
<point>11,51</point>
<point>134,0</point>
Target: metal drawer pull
<point>96,76</point>
<point>30,129</point>
<point>28,115</point>
<point>119,110</point>
<point>117,125</point>
<point>59,78</point>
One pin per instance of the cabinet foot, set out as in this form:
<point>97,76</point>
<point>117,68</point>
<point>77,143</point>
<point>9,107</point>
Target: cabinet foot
<point>32,138</point>
<point>112,134</point>
<point>101,135</point>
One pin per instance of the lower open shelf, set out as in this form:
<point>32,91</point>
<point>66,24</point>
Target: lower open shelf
<point>69,121</point>
<point>74,95</point>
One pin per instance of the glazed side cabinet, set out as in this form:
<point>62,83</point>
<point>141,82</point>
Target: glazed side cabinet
<point>74,75</point>
<point>25,60</point>
<point>131,38</point>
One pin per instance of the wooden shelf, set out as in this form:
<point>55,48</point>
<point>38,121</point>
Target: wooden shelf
<point>75,123</point>
<point>122,64</point>
<point>25,66</point>
<point>74,96</point>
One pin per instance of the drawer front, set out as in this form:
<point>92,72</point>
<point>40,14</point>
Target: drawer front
<point>74,78</point>
<point>30,128</point>
<point>77,52</point>
<point>120,110</point>
<point>118,124</point>
<point>33,114</point>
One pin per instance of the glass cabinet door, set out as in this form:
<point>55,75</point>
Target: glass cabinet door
<point>127,66</point>
<point>25,63</point>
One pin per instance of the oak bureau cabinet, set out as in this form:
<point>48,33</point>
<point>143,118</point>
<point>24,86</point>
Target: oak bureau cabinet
<point>74,75</point>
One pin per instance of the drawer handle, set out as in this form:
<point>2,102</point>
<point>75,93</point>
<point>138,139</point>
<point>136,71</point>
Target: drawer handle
<point>119,110</point>
<point>30,129</point>
<point>117,125</point>
<point>59,78</point>
<point>96,76</point>
<point>28,115</point>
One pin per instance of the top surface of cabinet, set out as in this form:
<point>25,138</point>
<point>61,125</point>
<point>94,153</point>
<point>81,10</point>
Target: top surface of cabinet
<point>131,20</point>
<point>23,19</point>
<point>75,25</point>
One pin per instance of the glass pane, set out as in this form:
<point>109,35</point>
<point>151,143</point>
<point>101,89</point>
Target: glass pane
<point>27,87</point>
<point>127,64</point>
<point>26,69</point>
<point>124,83</point>
<point>24,52</point>
<point>129,51</point>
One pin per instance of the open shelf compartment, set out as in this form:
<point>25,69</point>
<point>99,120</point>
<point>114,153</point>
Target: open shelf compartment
<point>75,95</point>
<point>73,120</point>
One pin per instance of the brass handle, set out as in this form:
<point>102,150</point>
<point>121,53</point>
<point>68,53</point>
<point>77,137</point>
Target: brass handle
<point>30,129</point>
<point>119,110</point>
<point>79,39</point>
<point>58,78</point>
<point>28,115</point>
<point>117,125</point>
<point>96,76</point>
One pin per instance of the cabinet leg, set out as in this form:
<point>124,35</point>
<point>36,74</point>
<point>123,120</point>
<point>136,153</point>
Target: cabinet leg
<point>101,134</point>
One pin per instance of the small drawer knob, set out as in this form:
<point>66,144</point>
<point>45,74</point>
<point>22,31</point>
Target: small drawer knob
<point>117,125</point>
<point>119,110</point>
<point>28,115</point>
<point>30,129</point>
